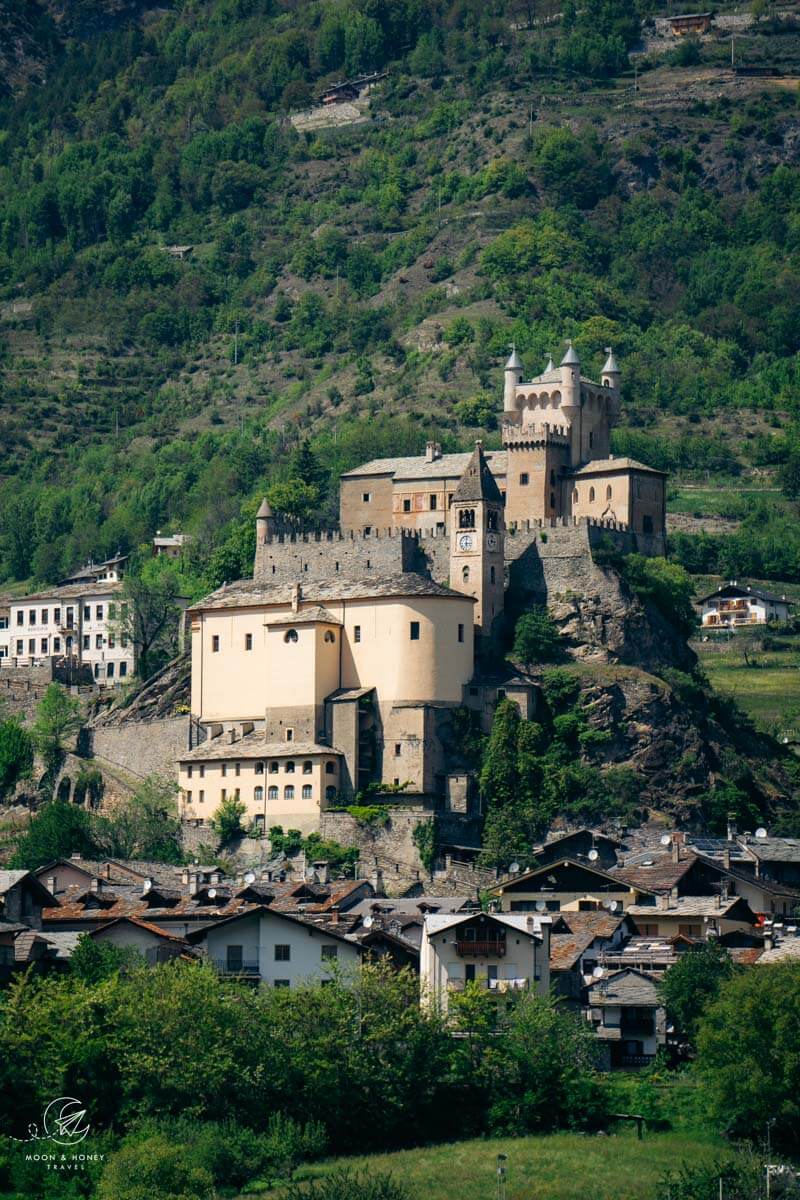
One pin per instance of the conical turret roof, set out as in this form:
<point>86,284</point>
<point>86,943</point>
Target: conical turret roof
<point>477,482</point>
<point>514,362</point>
<point>611,367</point>
<point>570,359</point>
<point>264,510</point>
<point>550,365</point>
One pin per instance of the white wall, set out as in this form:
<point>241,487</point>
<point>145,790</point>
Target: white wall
<point>258,936</point>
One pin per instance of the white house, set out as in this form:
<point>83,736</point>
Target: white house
<point>734,605</point>
<point>497,951</point>
<point>277,948</point>
<point>627,1017</point>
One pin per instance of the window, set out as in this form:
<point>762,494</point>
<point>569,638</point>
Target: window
<point>44,645</point>
<point>491,574</point>
<point>32,617</point>
<point>189,771</point>
<point>223,795</point>
<point>465,574</point>
<point>406,506</point>
<point>647,524</point>
<point>234,958</point>
<point>110,672</point>
<point>281,983</point>
<point>523,478</point>
<point>692,931</point>
<point>97,670</point>
<point>289,735</point>
<point>330,768</point>
<point>20,647</point>
<point>460,632</point>
<point>20,617</point>
<point>308,767</point>
<point>552,479</point>
<point>366,497</point>
<point>70,617</point>
<point>98,641</point>
<point>413,630</point>
<point>87,613</point>
<point>283,953</point>
<point>272,793</point>
<point>609,492</point>
<point>591,494</point>
<point>215,644</point>
<point>237,770</point>
<point>111,641</point>
<point>44,616</point>
<point>99,612</point>
<point>466,518</point>
<point>432,500</point>
<point>187,797</point>
<point>259,768</point>
<point>202,770</point>
<point>273,768</point>
<point>56,645</point>
<point>224,770</point>
<point>330,636</point>
<point>123,669</point>
<point>574,495</point>
<point>307,791</point>
<point>329,953</point>
<point>200,795</point>
<point>398,748</point>
<point>248,641</point>
<point>290,635</point>
<point>356,633</point>
<point>367,530</point>
<point>289,768</point>
<point>258,794</point>
<point>32,645</point>
<point>330,793</point>
<point>288,792</point>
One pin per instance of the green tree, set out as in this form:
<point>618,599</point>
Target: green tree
<point>748,1053</point>
<point>154,1169</point>
<point>149,613</point>
<point>58,718</point>
<point>693,983</point>
<point>667,585</point>
<point>147,825</point>
<point>16,754</point>
<point>93,961</point>
<point>56,831</point>
<point>294,498</point>
<point>536,638</point>
<point>227,820</point>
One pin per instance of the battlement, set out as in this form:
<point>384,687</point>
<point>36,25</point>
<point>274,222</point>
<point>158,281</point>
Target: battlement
<point>534,434</point>
<point>295,537</point>
<point>530,526</point>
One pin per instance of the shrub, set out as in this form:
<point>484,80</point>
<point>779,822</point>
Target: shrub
<point>154,1169</point>
<point>346,1184</point>
<point>536,638</point>
<point>16,754</point>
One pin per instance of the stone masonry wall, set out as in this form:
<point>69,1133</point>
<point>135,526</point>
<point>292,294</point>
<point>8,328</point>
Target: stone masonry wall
<point>327,553</point>
<point>391,846</point>
<point>143,747</point>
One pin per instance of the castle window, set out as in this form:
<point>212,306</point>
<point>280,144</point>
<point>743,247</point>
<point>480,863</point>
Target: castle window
<point>523,478</point>
<point>491,519</point>
<point>289,767</point>
<point>259,768</point>
<point>552,500</point>
<point>367,530</point>
<point>647,524</point>
<point>591,495</point>
<point>329,636</point>
<point>272,793</point>
<point>248,641</point>
<point>289,735</point>
<point>356,633</point>
<point>575,496</point>
<point>491,574</point>
<point>258,794</point>
<point>414,631</point>
<point>465,574</point>
<point>460,632</point>
<point>215,644</point>
<point>366,497</point>
<point>330,792</point>
<point>449,499</point>
<point>591,440</point>
<point>432,503</point>
<point>608,492</point>
<point>406,506</point>
<point>308,767</point>
<point>466,518</point>
<point>397,746</point>
<point>290,635</point>
<point>330,768</point>
<point>273,768</point>
<point>307,791</point>
<point>288,792</point>
<point>369,563</point>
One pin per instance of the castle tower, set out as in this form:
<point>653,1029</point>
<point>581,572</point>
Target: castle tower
<point>476,541</point>
<point>610,379</point>
<point>265,523</point>
<point>571,400</point>
<point>513,375</point>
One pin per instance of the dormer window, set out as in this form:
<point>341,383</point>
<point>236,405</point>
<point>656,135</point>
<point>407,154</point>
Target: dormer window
<point>290,635</point>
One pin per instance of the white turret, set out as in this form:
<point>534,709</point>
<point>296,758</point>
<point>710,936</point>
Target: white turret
<point>513,376</point>
<point>571,399</point>
<point>610,378</point>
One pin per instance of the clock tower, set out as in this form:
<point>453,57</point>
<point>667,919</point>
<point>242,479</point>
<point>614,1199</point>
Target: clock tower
<point>476,542</point>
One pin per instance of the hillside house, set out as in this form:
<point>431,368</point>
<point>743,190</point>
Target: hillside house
<point>693,916</point>
<point>684,24</point>
<point>627,1017</point>
<point>578,942</point>
<point>501,953</point>
<point>154,944</point>
<point>567,885</point>
<point>735,605</point>
<point>22,898</point>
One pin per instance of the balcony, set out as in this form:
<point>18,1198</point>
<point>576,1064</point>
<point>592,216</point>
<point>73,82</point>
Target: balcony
<point>637,1029</point>
<point>636,1060</point>
<point>237,969</point>
<point>500,986</point>
<point>472,948</point>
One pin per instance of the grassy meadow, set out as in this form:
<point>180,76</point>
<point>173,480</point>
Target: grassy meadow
<point>764,683</point>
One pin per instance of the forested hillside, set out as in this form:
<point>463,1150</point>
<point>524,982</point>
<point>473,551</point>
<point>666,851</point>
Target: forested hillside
<point>358,286</point>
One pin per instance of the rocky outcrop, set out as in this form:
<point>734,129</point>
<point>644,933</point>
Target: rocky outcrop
<point>165,694</point>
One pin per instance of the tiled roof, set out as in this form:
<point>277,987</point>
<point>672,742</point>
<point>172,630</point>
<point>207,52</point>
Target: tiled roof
<point>72,591</point>
<point>688,906</point>
<point>248,593</point>
<point>317,615</point>
<point>746,956</point>
<point>602,466</point>
<point>140,924</point>
<point>784,950</point>
<point>450,466</point>
<point>252,745</point>
<point>734,589</point>
<point>584,927</point>
<point>772,849</point>
<point>663,875</point>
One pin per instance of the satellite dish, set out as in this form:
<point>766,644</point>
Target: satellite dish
<point>249,877</point>
<point>761,832</point>
<point>598,973</point>
<point>148,883</point>
<point>212,893</point>
<point>665,839</point>
<point>613,906</point>
<point>514,868</point>
<point>369,922</point>
<point>540,906</point>
<point>593,856</point>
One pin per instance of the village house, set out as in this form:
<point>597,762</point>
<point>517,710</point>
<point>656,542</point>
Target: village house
<point>500,953</point>
<point>22,898</point>
<point>567,885</point>
<point>579,941</point>
<point>627,1017</point>
<point>734,605</point>
<point>170,545</point>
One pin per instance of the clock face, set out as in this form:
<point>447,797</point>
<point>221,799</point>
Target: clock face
<point>465,541</point>
<point>491,541</point>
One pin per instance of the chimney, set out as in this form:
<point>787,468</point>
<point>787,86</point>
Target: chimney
<point>107,870</point>
<point>215,878</point>
<point>376,879</point>
<point>732,830</point>
<point>433,450</point>
<point>322,870</point>
<point>676,850</point>
<point>51,883</point>
<point>231,735</point>
<point>185,876</point>
<point>193,883</point>
<point>662,903</point>
<point>335,914</point>
<point>726,859</point>
<point>768,940</point>
<point>95,885</point>
<point>75,857</point>
<point>673,894</point>
<point>296,597</point>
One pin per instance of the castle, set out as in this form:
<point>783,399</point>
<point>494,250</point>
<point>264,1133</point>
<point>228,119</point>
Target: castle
<point>342,661</point>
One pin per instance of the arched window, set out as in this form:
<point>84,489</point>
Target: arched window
<point>272,793</point>
<point>491,519</point>
<point>308,766</point>
<point>290,635</point>
<point>575,496</point>
<point>290,767</point>
<point>273,768</point>
<point>259,768</point>
<point>288,792</point>
<point>491,574</point>
<point>552,500</point>
<point>330,768</point>
<point>330,636</point>
<point>307,791</point>
<point>330,792</point>
<point>591,494</point>
<point>465,574</point>
<point>258,794</point>
<point>466,518</point>
<point>608,492</point>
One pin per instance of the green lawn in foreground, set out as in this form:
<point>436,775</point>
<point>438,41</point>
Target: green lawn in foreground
<point>563,1166</point>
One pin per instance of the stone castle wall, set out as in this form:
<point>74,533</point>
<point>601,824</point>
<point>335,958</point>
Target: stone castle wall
<point>326,553</point>
<point>142,747</point>
<point>390,847</point>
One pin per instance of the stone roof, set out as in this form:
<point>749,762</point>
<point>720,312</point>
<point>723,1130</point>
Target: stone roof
<point>8,879</point>
<point>450,466</point>
<point>624,987</point>
<point>773,849</point>
<point>72,591</point>
<point>316,615</point>
<point>785,949</point>
<point>477,481</point>
<point>416,906</point>
<point>248,593</point>
<point>252,745</point>
<point>585,927</point>
<point>662,876</point>
<point>689,906</point>
<point>602,466</point>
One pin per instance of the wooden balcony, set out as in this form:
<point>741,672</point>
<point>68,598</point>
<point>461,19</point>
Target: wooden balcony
<point>467,948</point>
